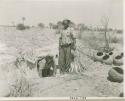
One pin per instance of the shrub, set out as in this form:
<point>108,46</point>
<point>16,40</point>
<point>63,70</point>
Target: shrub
<point>119,31</point>
<point>115,39</point>
<point>20,27</point>
<point>27,27</point>
<point>21,88</point>
<point>41,25</point>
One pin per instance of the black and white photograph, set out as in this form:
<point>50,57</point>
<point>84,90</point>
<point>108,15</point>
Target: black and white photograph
<point>61,48</point>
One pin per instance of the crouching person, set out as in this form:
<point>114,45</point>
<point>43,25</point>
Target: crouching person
<point>40,65</point>
<point>46,66</point>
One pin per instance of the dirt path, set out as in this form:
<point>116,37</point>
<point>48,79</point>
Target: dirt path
<point>68,85</point>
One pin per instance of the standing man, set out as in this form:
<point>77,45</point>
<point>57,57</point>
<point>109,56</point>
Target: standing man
<point>66,43</point>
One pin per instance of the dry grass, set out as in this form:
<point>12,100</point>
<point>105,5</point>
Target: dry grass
<point>21,88</point>
<point>95,40</point>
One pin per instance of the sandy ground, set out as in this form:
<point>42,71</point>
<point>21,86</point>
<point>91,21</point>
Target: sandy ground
<point>91,83</point>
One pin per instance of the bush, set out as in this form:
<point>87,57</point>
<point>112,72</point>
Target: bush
<point>119,31</point>
<point>21,88</point>
<point>41,25</point>
<point>27,27</point>
<point>115,39</point>
<point>20,27</point>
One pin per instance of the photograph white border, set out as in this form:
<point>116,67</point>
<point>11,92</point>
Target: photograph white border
<point>68,98</point>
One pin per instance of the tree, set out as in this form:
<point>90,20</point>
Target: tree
<point>23,19</point>
<point>20,27</point>
<point>54,26</point>
<point>81,27</point>
<point>105,23</point>
<point>41,25</point>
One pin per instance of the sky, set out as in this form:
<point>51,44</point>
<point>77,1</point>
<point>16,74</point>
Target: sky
<point>89,12</point>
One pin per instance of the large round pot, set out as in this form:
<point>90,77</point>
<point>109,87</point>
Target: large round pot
<point>107,59</point>
<point>98,56</point>
<point>118,60</point>
<point>115,74</point>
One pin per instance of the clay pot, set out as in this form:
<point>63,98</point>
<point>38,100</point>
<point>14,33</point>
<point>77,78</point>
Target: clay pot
<point>107,59</point>
<point>118,60</point>
<point>98,56</point>
<point>115,74</point>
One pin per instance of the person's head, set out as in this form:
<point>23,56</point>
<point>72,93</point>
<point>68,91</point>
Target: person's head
<point>66,23</point>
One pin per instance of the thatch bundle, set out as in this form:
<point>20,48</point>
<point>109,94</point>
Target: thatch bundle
<point>76,65</point>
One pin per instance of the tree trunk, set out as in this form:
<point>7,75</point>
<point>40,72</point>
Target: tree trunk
<point>106,41</point>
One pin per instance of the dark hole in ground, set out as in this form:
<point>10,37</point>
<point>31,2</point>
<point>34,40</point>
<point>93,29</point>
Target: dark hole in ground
<point>105,57</point>
<point>118,57</point>
<point>47,72</point>
<point>119,70</point>
<point>99,53</point>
